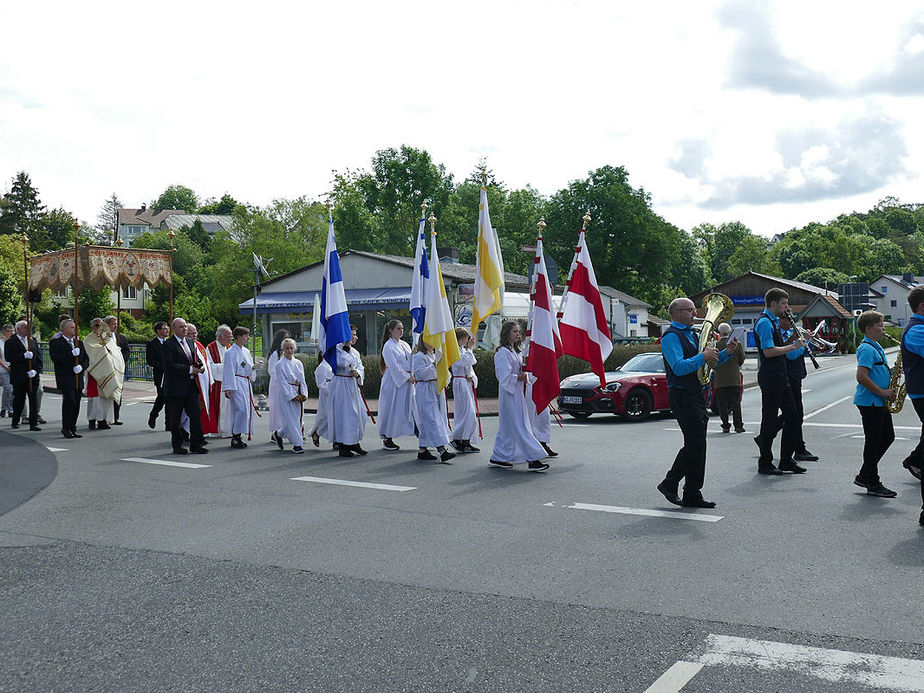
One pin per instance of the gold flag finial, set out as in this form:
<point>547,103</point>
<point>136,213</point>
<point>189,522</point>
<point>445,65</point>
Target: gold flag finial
<point>484,174</point>
<point>171,235</point>
<point>586,220</point>
<point>25,240</point>
<point>432,220</point>
<point>330,206</point>
<point>119,242</point>
<point>541,226</point>
<point>423,209</point>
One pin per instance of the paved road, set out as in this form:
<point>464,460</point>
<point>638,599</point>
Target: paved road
<point>127,575</point>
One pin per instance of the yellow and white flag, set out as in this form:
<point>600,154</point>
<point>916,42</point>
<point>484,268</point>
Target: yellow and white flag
<point>489,268</point>
<point>439,330</point>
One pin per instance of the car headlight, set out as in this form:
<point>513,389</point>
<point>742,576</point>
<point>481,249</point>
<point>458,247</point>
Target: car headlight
<point>612,387</point>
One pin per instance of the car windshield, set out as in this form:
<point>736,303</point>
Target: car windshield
<point>644,363</point>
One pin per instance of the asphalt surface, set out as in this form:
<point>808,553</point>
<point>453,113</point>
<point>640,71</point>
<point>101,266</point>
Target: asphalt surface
<point>124,575</point>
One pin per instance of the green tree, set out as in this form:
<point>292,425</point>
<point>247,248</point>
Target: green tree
<point>59,228</point>
<point>94,304</point>
<point>752,255</point>
<point>198,235</point>
<point>225,205</point>
<point>689,271</point>
<point>107,221</point>
<point>825,277</point>
<point>22,212</point>
<point>176,197</point>
<point>187,254</point>
<point>11,305</point>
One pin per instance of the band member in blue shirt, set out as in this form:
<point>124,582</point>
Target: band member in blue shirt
<point>682,360</point>
<point>775,393</point>
<point>873,378</point>
<point>912,360</point>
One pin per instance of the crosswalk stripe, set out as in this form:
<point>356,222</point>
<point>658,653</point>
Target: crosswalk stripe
<point>675,678</point>
<point>360,484</point>
<point>671,514</point>
<point>166,463</point>
<point>838,666</point>
<point>51,449</point>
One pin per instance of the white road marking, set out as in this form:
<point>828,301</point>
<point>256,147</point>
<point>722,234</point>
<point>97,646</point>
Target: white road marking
<point>838,666</point>
<point>844,425</point>
<point>131,404</point>
<point>672,514</point>
<point>166,463</point>
<point>826,407</point>
<point>360,484</point>
<point>675,678</point>
<point>51,449</point>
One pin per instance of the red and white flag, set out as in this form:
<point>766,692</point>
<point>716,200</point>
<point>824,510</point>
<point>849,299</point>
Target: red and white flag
<point>544,340</point>
<point>585,332</point>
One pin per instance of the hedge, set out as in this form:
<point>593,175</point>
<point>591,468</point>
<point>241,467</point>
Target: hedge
<point>484,368</point>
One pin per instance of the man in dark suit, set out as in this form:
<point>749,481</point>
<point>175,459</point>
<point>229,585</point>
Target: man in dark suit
<point>113,324</point>
<point>70,360</point>
<point>181,364</point>
<point>155,359</point>
<point>25,359</point>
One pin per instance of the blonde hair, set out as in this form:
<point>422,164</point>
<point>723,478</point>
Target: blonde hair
<point>288,341</point>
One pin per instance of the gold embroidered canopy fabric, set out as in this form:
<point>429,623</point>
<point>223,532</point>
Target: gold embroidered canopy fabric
<point>100,266</point>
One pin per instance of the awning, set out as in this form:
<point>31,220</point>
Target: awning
<point>303,301</point>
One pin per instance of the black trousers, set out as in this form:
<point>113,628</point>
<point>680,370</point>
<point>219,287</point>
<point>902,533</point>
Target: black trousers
<point>776,399</point>
<point>21,391</point>
<point>175,408</point>
<point>115,410</point>
<point>70,409</point>
<point>916,458</point>
<point>159,403</point>
<point>690,464</point>
<point>795,387</point>
<point>728,399</point>
<point>878,435</point>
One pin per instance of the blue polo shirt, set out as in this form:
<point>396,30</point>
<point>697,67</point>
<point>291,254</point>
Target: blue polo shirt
<point>764,329</point>
<point>872,356</point>
<point>914,341</point>
<point>673,351</point>
<point>795,353</point>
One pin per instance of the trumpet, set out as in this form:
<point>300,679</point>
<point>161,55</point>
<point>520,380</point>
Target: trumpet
<point>897,380</point>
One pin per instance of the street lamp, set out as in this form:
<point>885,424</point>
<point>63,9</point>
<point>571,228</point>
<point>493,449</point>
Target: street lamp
<point>854,321</point>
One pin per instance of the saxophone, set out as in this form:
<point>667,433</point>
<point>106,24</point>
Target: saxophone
<point>897,381</point>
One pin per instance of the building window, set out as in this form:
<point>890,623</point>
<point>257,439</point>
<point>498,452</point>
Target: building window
<point>736,321</point>
<point>747,321</point>
<point>893,304</point>
<point>129,293</point>
<point>885,289</point>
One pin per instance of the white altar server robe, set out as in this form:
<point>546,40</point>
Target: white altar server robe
<point>396,394</point>
<point>464,419</point>
<point>431,406</point>
<point>237,377</point>
<point>289,375</point>
<point>322,377</point>
<point>345,410</point>
<point>515,441</point>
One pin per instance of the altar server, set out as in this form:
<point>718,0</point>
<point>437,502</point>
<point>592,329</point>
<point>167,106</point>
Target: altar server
<point>396,394</point>
<point>289,374</point>
<point>431,406</point>
<point>237,382</point>
<point>346,412</point>
<point>464,384</point>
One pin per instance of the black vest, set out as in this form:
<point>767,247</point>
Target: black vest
<point>690,381</point>
<point>911,362</point>
<point>777,364</point>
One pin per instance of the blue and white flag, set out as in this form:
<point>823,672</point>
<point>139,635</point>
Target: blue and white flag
<point>335,319</point>
<point>419,279</point>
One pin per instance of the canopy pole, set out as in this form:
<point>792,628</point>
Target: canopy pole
<point>25,265</point>
<point>76,283</point>
<point>171,235</point>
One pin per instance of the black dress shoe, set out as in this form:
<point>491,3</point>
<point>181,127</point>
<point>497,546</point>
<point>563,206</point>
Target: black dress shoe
<point>791,466</point>
<point>75,434</point>
<point>669,493</point>
<point>42,421</point>
<point>238,444</point>
<point>14,426</point>
<point>697,503</point>
<point>34,428</point>
<point>915,471</point>
<point>358,449</point>
<point>103,426</point>
<point>276,439</point>
<point>769,469</point>
<point>152,421</point>
<point>67,434</point>
<point>344,451</point>
<point>180,451</point>
<point>199,451</point>
<point>921,519</point>
<point>425,455</point>
<point>503,465</point>
<point>117,423</point>
<point>805,456</point>
<point>92,424</point>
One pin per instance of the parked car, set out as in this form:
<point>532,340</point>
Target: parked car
<point>633,391</point>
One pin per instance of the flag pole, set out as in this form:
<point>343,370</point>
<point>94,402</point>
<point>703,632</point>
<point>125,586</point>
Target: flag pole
<point>577,249</point>
<point>423,215</point>
<point>432,220</point>
<point>25,264</point>
<point>76,283</point>
<point>171,235</point>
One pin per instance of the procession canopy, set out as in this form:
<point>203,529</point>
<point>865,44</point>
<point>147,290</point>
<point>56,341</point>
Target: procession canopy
<point>100,266</point>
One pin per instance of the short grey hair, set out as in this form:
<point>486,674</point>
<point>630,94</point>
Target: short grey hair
<point>724,329</point>
<point>21,323</point>
<point>110,318</point>
<point>96,321</point>
<point>222,329</point>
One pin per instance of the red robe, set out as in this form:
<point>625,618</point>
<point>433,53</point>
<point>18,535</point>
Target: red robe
<point>215,396</point>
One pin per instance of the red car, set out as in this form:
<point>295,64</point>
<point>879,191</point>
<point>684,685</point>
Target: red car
<point>633,391</point>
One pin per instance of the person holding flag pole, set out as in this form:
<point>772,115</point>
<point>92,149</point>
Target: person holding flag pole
<point>543,348</point>
<point>346,419</point>
<point>434,355</point>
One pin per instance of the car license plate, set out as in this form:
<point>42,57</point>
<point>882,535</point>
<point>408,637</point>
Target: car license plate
<point>569,399</point>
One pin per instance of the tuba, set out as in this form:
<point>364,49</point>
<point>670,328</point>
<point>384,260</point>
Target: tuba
<point>897,381</point>
<point>717,308</point>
